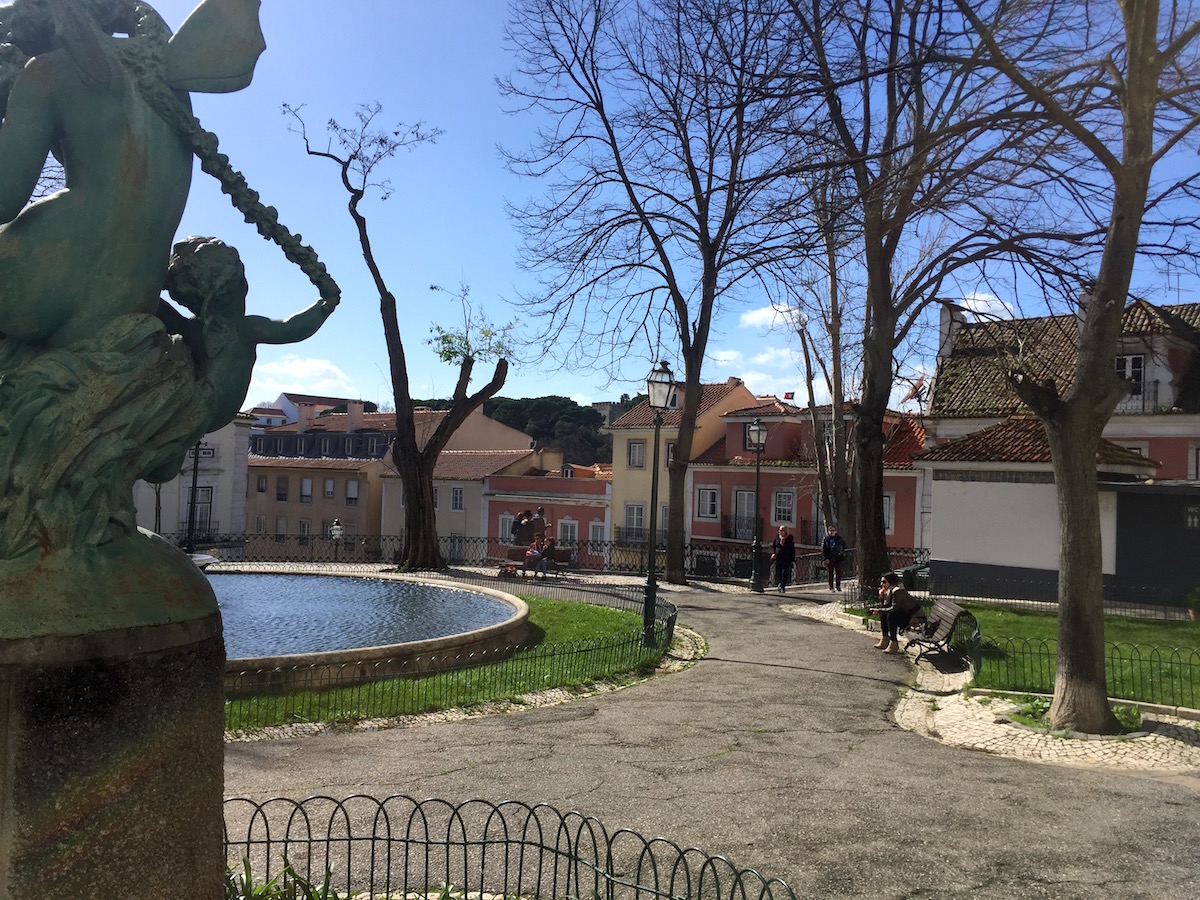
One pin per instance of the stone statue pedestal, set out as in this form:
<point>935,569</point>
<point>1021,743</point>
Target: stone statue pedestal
<point>111,739</point>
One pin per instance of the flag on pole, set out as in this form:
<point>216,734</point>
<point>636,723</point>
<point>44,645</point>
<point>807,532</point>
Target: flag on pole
<point>788,395</point>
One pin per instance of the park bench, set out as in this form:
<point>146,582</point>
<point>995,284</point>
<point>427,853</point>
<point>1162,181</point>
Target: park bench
<point>934,635</point>
<point>515,559</point>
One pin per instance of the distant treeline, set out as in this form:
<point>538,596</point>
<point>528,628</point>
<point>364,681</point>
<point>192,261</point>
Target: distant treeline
<point>557,423</point>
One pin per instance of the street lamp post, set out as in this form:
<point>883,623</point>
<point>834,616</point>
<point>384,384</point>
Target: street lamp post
<point>658,391</point>
<point>336,530</point>
<point>757,435</point>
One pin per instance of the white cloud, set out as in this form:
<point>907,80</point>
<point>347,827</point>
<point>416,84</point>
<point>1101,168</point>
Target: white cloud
<point>777,356</point>
<point>726,359</point>
<point>780,383</point>
<point>302,374</point>
<point>987,306</point>
<point>766,317</point>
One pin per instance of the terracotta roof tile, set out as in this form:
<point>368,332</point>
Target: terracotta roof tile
<point>475,465</point>
<point>291,462</point>
<point>905,438</point>
<point>1021,440</point>
<point>768,406</point>
<point>971,383</point>
<point>642,415</point>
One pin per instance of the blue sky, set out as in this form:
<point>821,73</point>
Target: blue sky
<point>445,222</point>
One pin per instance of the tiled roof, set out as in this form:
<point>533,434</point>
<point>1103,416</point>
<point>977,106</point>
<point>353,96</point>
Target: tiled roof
<point>1021,440</point>
<point>291,462</point>
<point>971,382</point>
<point>642,415</point>
<point>265,411</point>
<point>316,399</point>
<point>714,455</point>
<point>475,465</point>
<point>905,438</point>
<point>767,406</point>
<point>335,423</point>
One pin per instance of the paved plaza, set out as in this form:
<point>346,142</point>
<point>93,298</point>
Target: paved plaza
<point>793,747</point>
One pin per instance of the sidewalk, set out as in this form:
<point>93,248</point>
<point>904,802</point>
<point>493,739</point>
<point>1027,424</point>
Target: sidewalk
<point>778,749</point>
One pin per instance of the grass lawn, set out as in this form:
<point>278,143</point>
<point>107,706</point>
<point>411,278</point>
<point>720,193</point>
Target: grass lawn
<point>576,643</point>
<point>1147,660</point>
<point>996,623</point>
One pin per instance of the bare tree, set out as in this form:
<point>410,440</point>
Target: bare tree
<point>665,128</point>
<point>358,150</point>
<point>1121,83</point>
<point>930,145</point>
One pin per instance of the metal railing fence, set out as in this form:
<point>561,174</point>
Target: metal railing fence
<point>1040,594</point>
<point>256,698</point>
<point>1133,672</point>
<point>402,847</point>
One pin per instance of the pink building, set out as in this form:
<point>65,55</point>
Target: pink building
<point>576,499</point>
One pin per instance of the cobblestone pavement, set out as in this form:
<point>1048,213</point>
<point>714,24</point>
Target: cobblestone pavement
<point>937,707</point>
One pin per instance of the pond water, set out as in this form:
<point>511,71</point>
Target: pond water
<point>271,615</point>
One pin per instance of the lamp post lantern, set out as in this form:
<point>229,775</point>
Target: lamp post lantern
<point>336,530</point>
<point>658,390</point>
<point>757,436</point>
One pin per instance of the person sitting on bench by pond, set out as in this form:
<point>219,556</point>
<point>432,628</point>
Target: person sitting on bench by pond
<point>896,609</point>
<point>534,555</point>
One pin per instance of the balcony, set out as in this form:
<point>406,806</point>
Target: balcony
<point>636,537</point>
<point>1142,398</point>
<point>740,528</point>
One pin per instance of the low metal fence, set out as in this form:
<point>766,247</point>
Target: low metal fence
<point>1132,672</point>
<point>402,847</point>
<point>1040,594</point>
<point>257,698</point>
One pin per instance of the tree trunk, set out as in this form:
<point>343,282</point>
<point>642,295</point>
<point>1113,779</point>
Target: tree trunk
<point>871,553</point>
<point>1080,693</point>
<point>421,549</point>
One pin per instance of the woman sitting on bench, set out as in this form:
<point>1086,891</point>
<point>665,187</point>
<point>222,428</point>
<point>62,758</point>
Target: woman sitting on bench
<point>896,609</point>
<point>534,556</point>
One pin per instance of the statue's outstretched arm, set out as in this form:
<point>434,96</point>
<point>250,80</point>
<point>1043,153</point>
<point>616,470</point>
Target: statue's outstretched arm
<point>25,137</point>
<point>302,325</point>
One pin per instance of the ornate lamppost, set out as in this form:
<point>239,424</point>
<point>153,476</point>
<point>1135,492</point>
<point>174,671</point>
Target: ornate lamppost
<point>658,389</point>
<point>756,434</point>
<point>336,530</point>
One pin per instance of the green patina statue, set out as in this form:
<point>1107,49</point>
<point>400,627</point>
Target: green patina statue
<point>101,381</point>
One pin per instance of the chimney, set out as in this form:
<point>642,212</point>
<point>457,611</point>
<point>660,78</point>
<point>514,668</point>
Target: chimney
<point>950,320</point>
<point>354,416</point>
<point>305,413</point>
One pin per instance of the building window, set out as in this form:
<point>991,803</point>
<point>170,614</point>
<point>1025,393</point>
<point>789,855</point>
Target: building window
<point>889,512</point>
<point>258,444</point>
<point>706,503</point>
<point>637,454</point>
<point>506,524</point>
<point>352,492</point>
<point>372,445</point>
<point>670,453</point>
<point>435,496</point>
<point>205,453</point>
<point>596,538</point>
<point>306,490</point>
<point>329,488</point>
<point>280,528</point>
<point>260,484</point>
<point>260,524</point>
<point>635,519</point>
<point>1191,517</point>
<point>349,446</point>
<point>785,507</point>
<point>568,532</point>
<point>305,530</point>
<point>457,499</point>
<point>324,446</point>
<point>1132,368</point>
<point>281,488</point>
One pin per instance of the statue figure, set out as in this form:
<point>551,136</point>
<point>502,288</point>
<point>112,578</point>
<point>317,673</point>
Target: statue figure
<point>101,381</point>
<point>207,278</point>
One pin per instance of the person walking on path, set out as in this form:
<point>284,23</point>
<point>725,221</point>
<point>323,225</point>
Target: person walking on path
<point>895,611</point>
<point>833,548</point>
<point>783,554</point>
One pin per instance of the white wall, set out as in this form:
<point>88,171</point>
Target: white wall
<point>1004,524</point>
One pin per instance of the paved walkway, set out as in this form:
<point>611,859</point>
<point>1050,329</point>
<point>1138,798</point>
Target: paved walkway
<point>780,749</point>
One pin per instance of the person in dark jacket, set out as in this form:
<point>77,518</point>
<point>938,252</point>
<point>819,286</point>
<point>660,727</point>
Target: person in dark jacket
<point>895,611</point>
<point>783,554</point>
<point>833,548</point>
